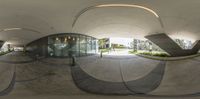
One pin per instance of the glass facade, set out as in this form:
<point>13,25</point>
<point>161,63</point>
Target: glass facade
<point>66,45</point>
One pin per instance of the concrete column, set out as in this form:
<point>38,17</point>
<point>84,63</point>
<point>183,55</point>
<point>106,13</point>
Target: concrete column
<point>171,47</point>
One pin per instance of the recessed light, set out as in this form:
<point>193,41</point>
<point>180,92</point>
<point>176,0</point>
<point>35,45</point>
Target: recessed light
<point>9,29</point>
<point>117,5</point>
<point>128,5</point>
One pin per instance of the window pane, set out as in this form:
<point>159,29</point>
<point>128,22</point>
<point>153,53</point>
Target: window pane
<point>83,45</point>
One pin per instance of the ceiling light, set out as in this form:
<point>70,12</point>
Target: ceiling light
<point>65,40</point>
<point>117,5</point>
<point>9,29</point>
<point>128,5</point>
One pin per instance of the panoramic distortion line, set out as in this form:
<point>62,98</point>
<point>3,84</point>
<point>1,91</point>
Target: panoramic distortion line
<point>117,5</point>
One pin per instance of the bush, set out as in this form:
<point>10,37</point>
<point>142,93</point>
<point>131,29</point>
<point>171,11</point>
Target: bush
<point>104,50</point>
<point>155,54</point>
<point>3,53</point>
<point>161,54</point>
<point>132,52</point>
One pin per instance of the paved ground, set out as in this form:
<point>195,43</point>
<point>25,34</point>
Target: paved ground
<point>181,77</point>
<point>118,52</point>
<point>108,67</point>
<point>51,78</point>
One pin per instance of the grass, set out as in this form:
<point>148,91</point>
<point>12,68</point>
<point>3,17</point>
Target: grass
<point>3,53</point>
<point>133,52</point>
<point>104,50</point>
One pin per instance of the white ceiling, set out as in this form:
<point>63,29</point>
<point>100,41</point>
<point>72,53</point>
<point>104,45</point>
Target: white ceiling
<point>181,18</point>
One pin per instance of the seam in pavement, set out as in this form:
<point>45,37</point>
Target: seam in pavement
<point>104,82</point>
<point>151,74</point>
<point>11,85</point>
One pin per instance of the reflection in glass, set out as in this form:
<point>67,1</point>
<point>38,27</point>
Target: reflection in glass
<point>83,46</point>
<point>67,45</point>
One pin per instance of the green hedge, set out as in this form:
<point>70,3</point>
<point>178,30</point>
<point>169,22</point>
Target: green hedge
<point>151,54</point>
<point>3,53</point>
<point>104,50</point>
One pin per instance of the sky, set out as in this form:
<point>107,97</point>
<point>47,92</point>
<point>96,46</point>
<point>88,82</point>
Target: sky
<point>123,41</point>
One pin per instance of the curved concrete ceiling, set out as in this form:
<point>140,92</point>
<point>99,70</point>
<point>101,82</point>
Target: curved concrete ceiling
<point>118,22</point>
<point>117,5</point>
<point>180,18</point>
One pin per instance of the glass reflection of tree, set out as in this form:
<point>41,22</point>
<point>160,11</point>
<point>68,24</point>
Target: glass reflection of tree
<point>59,45</point>
<point>71,46</point>
<point>68,45</point>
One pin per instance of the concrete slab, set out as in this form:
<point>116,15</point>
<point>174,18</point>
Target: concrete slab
<point>16,57</point>
<point>6,75</point>
<point>142,85</point>
<point>136,68</point>
<point>103,69</point>
<point>180,78</point>
<point>108,67</point>
<point>44,79</point>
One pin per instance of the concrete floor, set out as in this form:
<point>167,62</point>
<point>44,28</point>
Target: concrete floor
<point>108,67</point>
<point>51,78</point>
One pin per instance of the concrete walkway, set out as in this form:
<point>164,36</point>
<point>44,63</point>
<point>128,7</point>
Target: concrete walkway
<point>181,77</point>
<point>108,67</point>
<point>126,74</point>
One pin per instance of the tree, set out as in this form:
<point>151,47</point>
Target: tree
<point>102,42</point>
